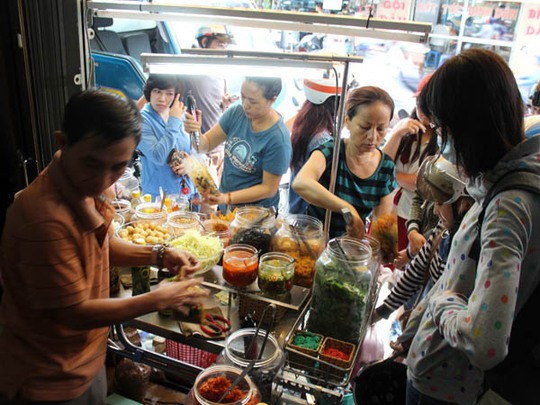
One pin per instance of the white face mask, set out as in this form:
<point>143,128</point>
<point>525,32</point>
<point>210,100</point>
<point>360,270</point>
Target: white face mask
<point>449,152</point>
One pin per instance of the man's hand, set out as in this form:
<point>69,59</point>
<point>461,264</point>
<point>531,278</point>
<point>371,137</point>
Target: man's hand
<point>178,295</point>
<point>180,261</point>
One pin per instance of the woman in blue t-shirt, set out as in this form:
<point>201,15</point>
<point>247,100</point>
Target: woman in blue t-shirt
<point>365,174</point>
<point>257,146</point>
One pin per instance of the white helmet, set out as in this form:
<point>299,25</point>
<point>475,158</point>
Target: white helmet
<point>438,181</point>
<point>317,91</point>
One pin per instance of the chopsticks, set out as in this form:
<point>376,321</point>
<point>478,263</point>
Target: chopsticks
<point>250,348</point>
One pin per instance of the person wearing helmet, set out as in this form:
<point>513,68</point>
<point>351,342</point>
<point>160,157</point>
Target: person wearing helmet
<point>210,92</point>
<point>438,181</point>
<point>313,125</point>
<point>213,37</point>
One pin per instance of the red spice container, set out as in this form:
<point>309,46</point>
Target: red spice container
<point>240,264</point>
<point>212,383</point>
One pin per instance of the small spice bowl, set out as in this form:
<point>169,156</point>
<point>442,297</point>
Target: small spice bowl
<point>336,352</point>
<point>305,342</point>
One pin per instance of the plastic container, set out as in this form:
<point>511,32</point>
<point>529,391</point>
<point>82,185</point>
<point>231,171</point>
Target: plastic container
<point>182,221</point>
<point>122,208</point>
<point>342,281</point>
<point>149,212</point>
<point>211,383</point>
<point>266,368</point>
<point>276,273</point>
<point>126,184</point>
<point>218,227</point>
<point>240,263</point>
<point>253,226</point>
<point>144,233</point>
<point>301,237</point>
<point>200,176</point>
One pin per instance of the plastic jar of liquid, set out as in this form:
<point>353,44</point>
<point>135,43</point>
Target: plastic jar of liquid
<point>240,349</point>
<point>301,237</point>
<point>253,226</point>
<point>150,212</point>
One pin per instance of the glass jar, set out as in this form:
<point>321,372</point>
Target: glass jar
<point>240,264</point>
<point>212,382</point>
<point>276,273</point>
<point>266,368</point>
<point>253,226</point>
<point>343,276</point>
<point>301,237</point>
<point>182,221</point>
<point>150,212</point>
<point>122,208</point>
<point>126,184</point>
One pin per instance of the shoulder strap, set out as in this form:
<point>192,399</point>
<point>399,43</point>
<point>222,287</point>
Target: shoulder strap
<point>514,180</point>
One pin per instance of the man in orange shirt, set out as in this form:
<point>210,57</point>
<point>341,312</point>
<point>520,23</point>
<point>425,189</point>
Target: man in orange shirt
<point>55,256</point>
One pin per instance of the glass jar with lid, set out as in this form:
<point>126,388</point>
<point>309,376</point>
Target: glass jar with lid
<point>240,263</point>
<point>212,383</point>
<point>150,212</point>
<point>126,184</point>
<point>182,221</point>
<point>240,349</point>
<point>343,277</point>
<point>301,237</point>
<point>253,225</point>
<point>276,273</point>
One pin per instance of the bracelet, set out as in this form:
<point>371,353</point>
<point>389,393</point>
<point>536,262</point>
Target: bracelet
<point>229,198</point>
<point>160,253</point>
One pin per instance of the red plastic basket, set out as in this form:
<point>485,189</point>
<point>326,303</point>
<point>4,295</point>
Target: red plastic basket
<point>191,355</point>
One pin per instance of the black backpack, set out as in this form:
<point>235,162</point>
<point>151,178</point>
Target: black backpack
<point>516,378</point>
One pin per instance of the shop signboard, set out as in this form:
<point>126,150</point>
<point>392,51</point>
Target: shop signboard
<point>393,10</point>
<point>529,27</point>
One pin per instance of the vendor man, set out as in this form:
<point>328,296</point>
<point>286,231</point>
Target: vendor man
<point>56,250</point>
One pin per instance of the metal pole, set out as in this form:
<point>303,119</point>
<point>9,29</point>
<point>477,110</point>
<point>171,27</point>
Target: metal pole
<point>337,142</point>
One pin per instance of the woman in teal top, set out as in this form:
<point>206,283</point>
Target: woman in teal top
<point>257,146</point>
<point>365,175</point>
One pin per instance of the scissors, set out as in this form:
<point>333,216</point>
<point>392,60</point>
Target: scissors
<point>215,325</point>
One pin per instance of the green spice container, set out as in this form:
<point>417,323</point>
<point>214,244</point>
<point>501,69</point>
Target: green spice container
<point>140,277</point>
<point>343,278</point>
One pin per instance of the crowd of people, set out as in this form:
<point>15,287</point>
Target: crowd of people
<point>469,259</point>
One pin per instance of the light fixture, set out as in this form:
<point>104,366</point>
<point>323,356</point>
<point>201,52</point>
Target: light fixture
<point>409,31</point>
<point>230,66</point>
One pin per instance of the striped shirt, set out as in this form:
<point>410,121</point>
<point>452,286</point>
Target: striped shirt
<point>363,194</point>
<point>413,277</point>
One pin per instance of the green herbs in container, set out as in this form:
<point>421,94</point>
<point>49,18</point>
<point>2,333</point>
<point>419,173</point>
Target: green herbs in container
<point>341,289</point>
<point>305,342</point>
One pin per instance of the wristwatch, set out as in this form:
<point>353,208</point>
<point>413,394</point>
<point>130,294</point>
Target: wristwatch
<point>159,250</point>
